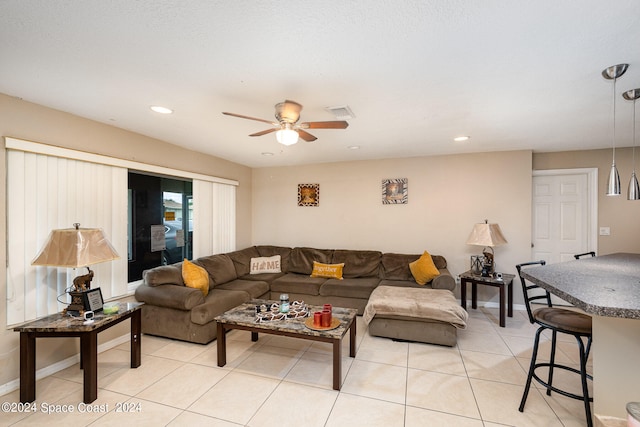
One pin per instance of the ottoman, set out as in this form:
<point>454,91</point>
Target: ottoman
<point>430,316</point>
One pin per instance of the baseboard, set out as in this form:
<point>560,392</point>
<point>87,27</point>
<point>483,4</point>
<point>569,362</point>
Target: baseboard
<point>63,364</point>
<point>490,304</point>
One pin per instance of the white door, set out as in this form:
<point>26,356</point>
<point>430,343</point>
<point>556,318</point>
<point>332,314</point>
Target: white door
<point>563,217</point>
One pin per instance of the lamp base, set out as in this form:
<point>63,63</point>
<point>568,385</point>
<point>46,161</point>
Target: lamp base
<point>77,304</point>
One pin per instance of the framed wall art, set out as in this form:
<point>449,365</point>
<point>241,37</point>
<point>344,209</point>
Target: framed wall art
<point>308,194</point>
<point>395,191</point>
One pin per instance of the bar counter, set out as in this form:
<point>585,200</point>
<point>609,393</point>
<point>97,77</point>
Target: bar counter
<point>608,288</point>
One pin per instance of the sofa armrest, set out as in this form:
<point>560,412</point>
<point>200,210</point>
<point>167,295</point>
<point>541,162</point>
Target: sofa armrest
<point>444,281</point>
<point>170,296</point>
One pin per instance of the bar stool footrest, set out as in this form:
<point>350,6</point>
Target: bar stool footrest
<point>555,389</point>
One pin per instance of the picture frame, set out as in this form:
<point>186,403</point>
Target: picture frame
<point>309,195</point>
<point>395,191</point>
<point>92,300</point>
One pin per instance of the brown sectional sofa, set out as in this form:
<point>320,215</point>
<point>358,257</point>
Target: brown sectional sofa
<point>174,310</point>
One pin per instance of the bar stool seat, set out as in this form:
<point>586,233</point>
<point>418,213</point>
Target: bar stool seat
<point>565,321</point>
<point>557,320</point>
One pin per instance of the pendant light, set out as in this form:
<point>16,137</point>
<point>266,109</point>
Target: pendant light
<point>613,73</point>
<point>634,188</point>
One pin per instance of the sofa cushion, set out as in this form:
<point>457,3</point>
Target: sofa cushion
<point>358,263</point>
<point>220,268</point>
<point>254,288</point>
<point>293,283</point>
<point>423,269</point>
<point>330,271</point>
<point>396,266</point>
<point>242,259</point>
<point>217,302</point>
<point>283,251</point>
<point>262,277</point>
<point>195,277</point>
<point>400,283</point>
<point>170,296</point>
<point>350,288</point>
<point>302,259</point>
<point>265,264</point>
<point>164,275</point>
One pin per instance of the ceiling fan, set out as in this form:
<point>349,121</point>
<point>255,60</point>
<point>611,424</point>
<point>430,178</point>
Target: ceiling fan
<point>287,127</point>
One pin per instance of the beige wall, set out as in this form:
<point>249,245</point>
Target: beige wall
<point>447,195</point>
<point>31,122</point>
<point>618,213</point>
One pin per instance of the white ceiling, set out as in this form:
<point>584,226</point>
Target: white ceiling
<point>512,74</point>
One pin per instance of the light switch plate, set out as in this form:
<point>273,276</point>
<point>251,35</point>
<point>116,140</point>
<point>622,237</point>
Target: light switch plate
<point>605,231</point>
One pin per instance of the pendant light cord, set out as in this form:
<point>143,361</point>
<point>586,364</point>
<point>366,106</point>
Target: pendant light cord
<point>614,121</point>
<point>633,150</point>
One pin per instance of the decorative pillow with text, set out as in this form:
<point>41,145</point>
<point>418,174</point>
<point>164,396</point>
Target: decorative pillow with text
<point>265,264</point>
<point>330,271</point>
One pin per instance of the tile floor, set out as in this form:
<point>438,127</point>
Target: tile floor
<point>282,381</point>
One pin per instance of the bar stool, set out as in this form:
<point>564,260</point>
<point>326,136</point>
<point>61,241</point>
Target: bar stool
<point>556,320</point>
<point>578,256</point>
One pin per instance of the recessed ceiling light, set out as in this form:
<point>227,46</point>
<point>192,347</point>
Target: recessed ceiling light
<point>461,138</point>
<point>353,147</point>
<point>266,153</point>
<point>161,110</point>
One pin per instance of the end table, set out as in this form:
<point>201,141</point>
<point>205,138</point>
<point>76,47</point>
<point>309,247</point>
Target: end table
<point>475,280</point>
<point>59,325</point>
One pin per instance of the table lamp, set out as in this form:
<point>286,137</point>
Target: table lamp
<point>74,248</point>
<point>487,235</point>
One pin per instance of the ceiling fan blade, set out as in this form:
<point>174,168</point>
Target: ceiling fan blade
<point>251,118</point>
<point>264,132</point>
<point>336,124</point>
<point>306,135</point>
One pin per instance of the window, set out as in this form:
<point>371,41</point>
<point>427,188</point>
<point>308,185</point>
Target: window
<point>51,187</point>
<point>158,203</point>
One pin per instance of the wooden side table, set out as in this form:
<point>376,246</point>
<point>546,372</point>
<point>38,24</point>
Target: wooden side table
<point>58,325</point>
<point>505,284</point>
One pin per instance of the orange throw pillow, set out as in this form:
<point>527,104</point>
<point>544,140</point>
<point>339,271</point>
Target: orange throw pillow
<point>330,271</point>
<point>423,269</point>
<point>195,276</point>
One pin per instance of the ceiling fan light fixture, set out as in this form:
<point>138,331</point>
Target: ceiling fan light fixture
<point>287,136</point>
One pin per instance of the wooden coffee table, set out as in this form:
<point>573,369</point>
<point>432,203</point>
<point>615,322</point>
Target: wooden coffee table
<point>244,317</point>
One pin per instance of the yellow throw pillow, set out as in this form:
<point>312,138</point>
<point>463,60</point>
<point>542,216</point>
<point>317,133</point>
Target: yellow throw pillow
<point>423,269</point>
<point>195,276</point>
<point>330,271</point>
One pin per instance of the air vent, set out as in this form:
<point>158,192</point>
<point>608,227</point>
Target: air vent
<point>341,112</point>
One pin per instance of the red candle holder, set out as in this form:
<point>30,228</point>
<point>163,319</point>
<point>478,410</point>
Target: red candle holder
<point>317,319</point>
<point>326,318</point>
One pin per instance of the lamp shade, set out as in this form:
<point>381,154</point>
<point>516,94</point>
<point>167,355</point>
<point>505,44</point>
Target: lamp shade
<point>486,234</point>
<point>75,247</point>
<point>287,136</point>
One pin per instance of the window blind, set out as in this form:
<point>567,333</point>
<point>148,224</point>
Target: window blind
<point>214,218</point>
<point>46,193</point>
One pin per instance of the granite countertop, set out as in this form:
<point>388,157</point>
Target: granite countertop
<point>606,285</point>
<point>66,323</point>
<point>244,315</point>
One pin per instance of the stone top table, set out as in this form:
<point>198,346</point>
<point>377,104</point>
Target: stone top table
<point>244,317</point>
<point>62,325</point>
<point>608,287</point>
